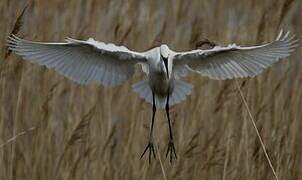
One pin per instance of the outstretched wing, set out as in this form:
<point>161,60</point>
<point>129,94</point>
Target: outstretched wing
<point>81,61</point>
<point>236,62</point>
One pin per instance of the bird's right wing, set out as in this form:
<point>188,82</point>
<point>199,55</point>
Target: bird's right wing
<point>81,61</point>
<point>234,61</point>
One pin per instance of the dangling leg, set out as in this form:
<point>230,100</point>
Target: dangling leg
<point>150,145</point>
<point>171,148</point>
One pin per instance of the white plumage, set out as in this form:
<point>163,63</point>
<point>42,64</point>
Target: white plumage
<point>107,64</point>
<point>237,62</point>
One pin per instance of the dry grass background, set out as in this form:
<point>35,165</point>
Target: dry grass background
<point>97,133</point>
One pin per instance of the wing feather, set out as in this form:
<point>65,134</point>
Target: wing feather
<point>82,61</point>
<point>234,61</point>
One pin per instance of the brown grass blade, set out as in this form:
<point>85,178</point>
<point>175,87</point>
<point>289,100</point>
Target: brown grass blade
<point>257,132</point>
<point>11,140</point>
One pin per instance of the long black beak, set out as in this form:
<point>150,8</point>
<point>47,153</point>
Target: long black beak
<point>166,64</point>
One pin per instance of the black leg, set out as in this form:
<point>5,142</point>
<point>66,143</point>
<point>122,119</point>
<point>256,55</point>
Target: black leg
<point>150,145</point>
<point>171,148</point>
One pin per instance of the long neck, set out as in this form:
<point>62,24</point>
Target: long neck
<point>166,65</point>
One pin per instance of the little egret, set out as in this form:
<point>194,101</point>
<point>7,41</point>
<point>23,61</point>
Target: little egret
<point>91,61</point>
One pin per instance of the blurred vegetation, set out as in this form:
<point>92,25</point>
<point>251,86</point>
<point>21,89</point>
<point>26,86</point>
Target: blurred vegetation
<point>67,131</point>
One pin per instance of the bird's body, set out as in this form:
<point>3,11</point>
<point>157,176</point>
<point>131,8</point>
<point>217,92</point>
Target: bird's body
<point>160,78</point>
<point>107,64</point>
<point>159,83</point>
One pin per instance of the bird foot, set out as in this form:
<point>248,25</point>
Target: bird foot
<point>171,151</point>
<point>149,147</point>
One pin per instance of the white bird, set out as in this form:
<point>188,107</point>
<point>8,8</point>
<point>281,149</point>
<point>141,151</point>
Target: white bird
<point>96,62</point>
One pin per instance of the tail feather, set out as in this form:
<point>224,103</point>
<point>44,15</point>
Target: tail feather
<point>180,92</point>
<point>143,90</point>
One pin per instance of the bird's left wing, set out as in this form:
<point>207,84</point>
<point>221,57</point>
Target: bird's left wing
<point>81,61</point>
<point>234,61</point>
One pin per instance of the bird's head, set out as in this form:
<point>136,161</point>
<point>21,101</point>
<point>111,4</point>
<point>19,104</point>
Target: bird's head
<point>164,50</point>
